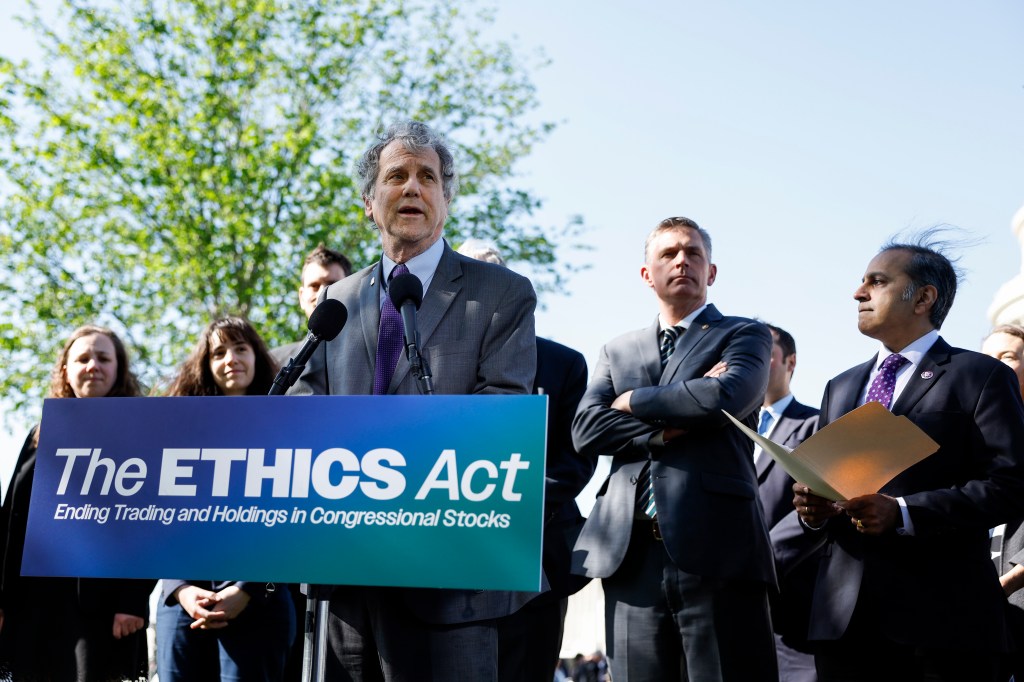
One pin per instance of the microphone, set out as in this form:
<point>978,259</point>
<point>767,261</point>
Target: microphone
<point>406,292</point>
<point>324,324</point>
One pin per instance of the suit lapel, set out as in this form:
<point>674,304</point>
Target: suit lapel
<point>444,287</point>
<point>649,350</point>
<point>846,394</point>
<point>689,340</point>
<point>926,375</point>
<point>369,314</point>
<point>763,464</point>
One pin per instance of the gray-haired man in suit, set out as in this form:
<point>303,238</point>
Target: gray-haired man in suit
<point>477,333</point>
<point>685,572</point>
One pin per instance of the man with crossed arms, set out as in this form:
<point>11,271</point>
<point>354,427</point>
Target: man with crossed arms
<point>686,572</point>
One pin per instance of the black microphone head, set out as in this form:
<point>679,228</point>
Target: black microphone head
<point>406,288</point>
<point>328,318</point>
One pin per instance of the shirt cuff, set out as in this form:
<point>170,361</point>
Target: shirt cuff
<point>657,438</point>
<point>908,525</point>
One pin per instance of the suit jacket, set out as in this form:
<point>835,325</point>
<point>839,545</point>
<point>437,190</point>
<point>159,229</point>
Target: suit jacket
<point>794,550</point>
<point>705,485</point>
<point>282,354</point>
<point>562,374</point>
<point>477,334</point>
<point>797,423</point>
<point>937,588</point>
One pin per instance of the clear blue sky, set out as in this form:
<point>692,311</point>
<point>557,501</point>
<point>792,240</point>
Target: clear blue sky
<point>799,134</point>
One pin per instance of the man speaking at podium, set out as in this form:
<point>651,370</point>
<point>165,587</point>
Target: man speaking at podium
<point>476,329</point>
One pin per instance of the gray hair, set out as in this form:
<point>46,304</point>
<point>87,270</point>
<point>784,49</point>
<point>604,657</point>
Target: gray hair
<point>929,265</point>
<point>675,223</point>
<point>481,249</point>
<point>415,136</point>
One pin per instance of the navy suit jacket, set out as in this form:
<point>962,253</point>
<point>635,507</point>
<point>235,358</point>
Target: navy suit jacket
<point>562,374</point>
<point>937,588</point>
<point>476,330</point>
<point>797,423</point>
<point>705,486</point>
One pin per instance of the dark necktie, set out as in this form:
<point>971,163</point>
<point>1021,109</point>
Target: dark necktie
<point>389,340</point>
<point>669,336</point>
<point>645,483</point>
<point>885,381</point>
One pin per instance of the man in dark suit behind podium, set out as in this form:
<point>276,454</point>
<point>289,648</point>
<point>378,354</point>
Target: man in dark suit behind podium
<point>789,423</point>
<point>476,329</point>
<point>685,579</point>
<point>905,588</point>
<point>529,640</point>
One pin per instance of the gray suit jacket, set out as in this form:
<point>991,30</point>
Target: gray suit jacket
<point>705,485</point>
<point>477,333</point>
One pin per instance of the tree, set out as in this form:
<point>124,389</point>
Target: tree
<point>173,160</point>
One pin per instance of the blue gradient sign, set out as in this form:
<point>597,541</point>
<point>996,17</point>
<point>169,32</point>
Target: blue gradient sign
<point>417,491</point>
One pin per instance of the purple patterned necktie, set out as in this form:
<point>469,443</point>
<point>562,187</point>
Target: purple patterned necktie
<point>389,340</point>
<point>885,381</point>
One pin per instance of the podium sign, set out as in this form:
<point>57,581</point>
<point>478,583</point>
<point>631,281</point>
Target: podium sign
<point>416,491</point>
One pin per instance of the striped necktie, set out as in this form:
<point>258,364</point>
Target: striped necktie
<point>669,336</point>
<point>645,483</point>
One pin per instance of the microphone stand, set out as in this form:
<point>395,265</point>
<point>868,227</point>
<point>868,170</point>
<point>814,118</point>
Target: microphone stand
<point>419,367</point>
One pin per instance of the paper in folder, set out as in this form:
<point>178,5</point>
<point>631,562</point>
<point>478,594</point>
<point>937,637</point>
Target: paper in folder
<point>855,455</point>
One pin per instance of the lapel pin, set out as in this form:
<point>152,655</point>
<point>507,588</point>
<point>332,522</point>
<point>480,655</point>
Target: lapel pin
<point>373,280</point>
<point>705,326</point>
<point>927,374</point>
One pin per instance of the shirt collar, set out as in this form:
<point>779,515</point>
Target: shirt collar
<point>685,322</point>
<point>423,265</point>
<point>914,352</point>
<point>779,406</point>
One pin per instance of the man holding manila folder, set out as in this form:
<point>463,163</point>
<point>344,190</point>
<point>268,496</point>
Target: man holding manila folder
<point>905,588</point>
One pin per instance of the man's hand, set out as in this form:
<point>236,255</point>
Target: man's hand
<point>813,509</point>
<point>126,624</point>
<point>622,403</point>
<point>873,514</point>
<point>716,371</point>
<point>1012,580</point>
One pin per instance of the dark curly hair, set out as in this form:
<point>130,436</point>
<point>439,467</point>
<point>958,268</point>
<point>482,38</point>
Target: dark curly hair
<point>194,376</point>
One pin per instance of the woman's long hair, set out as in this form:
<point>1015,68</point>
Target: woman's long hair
<point>194,376</point>
<point>125,384</point>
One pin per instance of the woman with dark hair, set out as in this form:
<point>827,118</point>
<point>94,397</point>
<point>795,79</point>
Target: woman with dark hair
<point>70,628</point>
<point>224,630</point>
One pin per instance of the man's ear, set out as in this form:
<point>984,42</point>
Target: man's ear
<point>645,274</point>
<point>924,299</point>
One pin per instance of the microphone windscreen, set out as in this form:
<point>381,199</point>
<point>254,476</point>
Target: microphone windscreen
<point>328,318</point>
<point>404,289</point>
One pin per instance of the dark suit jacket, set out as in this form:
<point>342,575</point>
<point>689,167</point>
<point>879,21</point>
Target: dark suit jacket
<point>705,485</point>
<point>562,374</point>
<point>797,423</point>
<point>794,550</point>
<point>282,354</point>
<point>937,588</point>
<point>477,333</point>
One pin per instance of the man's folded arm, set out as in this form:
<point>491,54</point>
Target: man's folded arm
<point>599,429</point>
<point>699,402</point>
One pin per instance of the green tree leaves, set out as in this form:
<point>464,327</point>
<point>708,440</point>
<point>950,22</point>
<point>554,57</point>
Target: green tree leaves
<point>174,160</point>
